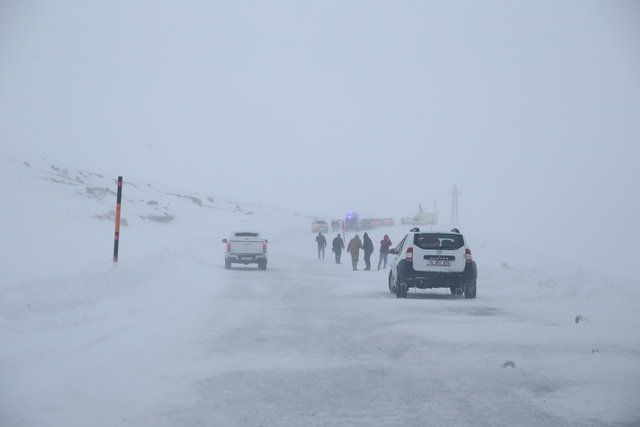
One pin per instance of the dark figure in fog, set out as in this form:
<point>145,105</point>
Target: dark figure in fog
<point>367,246</point>
<point>322,243</point>
<point>385,244</point>
<point>353,248</point>
<point>337,246</point>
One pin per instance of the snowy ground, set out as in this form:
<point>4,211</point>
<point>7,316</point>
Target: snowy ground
<point>170,337</point>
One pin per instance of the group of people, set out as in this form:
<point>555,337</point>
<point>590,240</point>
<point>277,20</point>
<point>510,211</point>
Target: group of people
<point>336,225</point>
<point>353,247</point>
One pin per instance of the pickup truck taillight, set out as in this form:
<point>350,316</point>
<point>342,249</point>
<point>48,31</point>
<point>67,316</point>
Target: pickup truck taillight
<point>467,255</point>
<point>409,257</point>
<point>264,247</point>
<point>229,247</point>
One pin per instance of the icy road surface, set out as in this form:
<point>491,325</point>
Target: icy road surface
<point>174,339</point>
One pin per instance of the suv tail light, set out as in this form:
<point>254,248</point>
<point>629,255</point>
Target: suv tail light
<point>264,247</point>
<point>229,247</point>
<point>467,255</point>
<point>409,254</point>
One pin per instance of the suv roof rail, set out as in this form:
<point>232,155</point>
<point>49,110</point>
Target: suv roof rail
<point>455,230</point>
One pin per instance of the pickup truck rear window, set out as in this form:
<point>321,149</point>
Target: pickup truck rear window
<point>246,234</point>
<point>438,241</point>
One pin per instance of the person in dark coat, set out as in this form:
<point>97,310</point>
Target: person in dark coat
<point>353,248</point>
<point>337,247</point>
<point>367,246</point>
<point>322,243</point>
<point>385,244</point>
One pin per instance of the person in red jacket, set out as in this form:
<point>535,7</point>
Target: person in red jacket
<point>385,244</point>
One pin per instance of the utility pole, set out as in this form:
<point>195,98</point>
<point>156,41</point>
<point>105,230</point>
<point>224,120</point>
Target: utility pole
<point>454,206</point>
<point>435,210</point>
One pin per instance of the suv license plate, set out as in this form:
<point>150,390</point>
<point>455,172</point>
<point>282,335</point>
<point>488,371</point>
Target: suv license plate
<point>246,258</point>
<point>439,263</point>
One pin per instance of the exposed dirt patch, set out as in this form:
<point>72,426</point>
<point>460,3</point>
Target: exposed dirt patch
<point>165,219</point>
<point>99,192</point>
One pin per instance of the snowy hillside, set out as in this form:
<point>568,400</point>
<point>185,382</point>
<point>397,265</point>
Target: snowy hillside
<point>61,218</point>
<point>170,337</point>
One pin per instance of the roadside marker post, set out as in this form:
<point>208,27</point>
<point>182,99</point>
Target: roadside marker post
<point>116,238</point>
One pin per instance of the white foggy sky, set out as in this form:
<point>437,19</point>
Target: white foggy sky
<point>533,109</point>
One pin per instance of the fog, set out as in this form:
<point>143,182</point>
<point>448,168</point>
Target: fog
<point>532,109</point>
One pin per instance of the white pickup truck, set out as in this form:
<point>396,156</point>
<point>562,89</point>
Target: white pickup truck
<point>245,247</point>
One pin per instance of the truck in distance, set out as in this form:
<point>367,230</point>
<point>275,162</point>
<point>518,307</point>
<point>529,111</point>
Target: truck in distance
<point>245,247</point>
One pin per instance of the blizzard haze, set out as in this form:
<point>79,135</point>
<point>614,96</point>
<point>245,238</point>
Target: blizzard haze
<point>530,108</point>
<point>261,116</point>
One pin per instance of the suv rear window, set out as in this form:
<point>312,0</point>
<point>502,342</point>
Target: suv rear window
<point>438,241</point>
<point>246,234</point>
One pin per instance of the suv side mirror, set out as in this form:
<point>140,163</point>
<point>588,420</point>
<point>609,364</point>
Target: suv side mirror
<point>393,252</point>
<point>266,241</point>
<point>224,240</point>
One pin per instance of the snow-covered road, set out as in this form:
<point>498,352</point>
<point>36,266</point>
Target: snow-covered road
<point>175,339</point>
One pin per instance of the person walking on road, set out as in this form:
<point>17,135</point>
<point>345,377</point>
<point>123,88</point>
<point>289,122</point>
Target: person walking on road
<point>367,246</point>
<point>322,243</point>
<point>353,248</point>
<point>337,246</point>
<point>385,244</point>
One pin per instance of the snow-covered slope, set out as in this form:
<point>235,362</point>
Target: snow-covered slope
<point>170,337</point>
<point>60,219</point>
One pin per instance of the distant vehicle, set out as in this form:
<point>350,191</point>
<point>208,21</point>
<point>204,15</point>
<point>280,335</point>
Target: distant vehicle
<point>383,222</point>
<point>319,225</point>
<point>245,247</point>
<point>367,224</point>
<point>421,218</point>
<point>351,222</point>
<point>388,222</point>
<point>433,260</point>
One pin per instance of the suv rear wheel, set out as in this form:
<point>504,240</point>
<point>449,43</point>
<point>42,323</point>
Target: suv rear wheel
<point>401,290</point>
<point>227,264</point>
<point>470,291</point>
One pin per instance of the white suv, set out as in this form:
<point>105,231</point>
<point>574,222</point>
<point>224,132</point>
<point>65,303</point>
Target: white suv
<point>433,259</point>
<point>245,247</point>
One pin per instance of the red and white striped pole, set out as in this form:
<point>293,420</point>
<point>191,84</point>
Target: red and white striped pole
<point>116,239</point>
